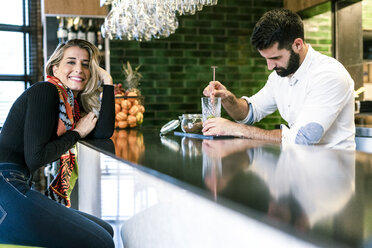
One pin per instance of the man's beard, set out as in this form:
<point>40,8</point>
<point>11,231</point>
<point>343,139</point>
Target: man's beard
<point>293,64</point>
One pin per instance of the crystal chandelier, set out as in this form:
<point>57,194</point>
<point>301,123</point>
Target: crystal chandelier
<point>143,20</point>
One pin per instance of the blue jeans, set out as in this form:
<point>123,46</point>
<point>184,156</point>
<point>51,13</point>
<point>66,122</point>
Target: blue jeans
<point>27,217</point>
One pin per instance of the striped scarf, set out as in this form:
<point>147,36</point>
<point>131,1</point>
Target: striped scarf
<point>69,113</point>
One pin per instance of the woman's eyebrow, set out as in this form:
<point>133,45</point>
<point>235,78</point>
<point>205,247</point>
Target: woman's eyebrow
<point>85,60</point>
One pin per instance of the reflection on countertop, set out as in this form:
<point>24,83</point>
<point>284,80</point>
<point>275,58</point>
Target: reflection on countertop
<point>298,185</point>
<point>315,194</point>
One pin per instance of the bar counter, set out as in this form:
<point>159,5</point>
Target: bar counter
<point>171,191</point>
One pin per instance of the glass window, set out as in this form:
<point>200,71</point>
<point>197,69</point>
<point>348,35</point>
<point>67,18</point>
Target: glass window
<point>11,53</point>
<point>16,41</point>
<point>11,12</point>
<point>9,91</point>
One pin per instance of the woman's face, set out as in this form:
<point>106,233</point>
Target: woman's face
<point>73,70</point>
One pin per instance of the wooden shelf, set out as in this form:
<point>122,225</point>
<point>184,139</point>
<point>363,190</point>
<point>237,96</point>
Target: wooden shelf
<point>299,5</point>
<point>74,8</point>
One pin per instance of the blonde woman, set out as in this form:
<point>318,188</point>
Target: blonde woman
<point>43,126</point>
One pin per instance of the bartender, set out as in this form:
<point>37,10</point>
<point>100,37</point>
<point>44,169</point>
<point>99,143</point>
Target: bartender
<point>314,93</point>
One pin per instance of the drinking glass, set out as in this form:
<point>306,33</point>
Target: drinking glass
<point>211,107</point>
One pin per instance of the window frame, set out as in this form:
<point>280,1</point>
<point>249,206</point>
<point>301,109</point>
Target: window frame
<point>29,30</point>
<point>30,41</point>
<point>26,30</point>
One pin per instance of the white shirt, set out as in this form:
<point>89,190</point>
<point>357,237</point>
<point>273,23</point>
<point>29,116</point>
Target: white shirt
<point>317,102</point>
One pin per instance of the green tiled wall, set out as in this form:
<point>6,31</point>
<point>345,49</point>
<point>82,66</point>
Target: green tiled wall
<point>176,69</point>
<point>367,28</point>
<point>318,32</point>
<point>367,14</point>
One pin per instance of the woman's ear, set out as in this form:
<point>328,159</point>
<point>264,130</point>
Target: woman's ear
<point>54,68</point>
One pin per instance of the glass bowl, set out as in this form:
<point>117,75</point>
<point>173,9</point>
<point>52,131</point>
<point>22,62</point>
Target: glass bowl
<point>191,123</point>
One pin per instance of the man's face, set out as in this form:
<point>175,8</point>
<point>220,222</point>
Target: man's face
<point>284,62</point>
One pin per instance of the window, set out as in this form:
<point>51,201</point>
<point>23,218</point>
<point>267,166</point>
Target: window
<point>16,36</point>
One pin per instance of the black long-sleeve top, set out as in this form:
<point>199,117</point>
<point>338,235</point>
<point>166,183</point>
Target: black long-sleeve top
<point>29,135</point>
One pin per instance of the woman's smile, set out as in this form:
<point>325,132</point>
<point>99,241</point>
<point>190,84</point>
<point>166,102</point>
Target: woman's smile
<point>73,70</point>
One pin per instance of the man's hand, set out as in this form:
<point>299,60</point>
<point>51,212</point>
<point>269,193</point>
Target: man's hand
<point>86,124</point>
<point>236,108</point>
<point>216,89</point>
<point>221,126</point>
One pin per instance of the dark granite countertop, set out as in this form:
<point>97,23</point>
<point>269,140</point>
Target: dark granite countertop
<point>316,194</point>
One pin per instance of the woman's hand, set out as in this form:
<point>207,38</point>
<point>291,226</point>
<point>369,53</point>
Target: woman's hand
<point>86,124</point>
<point>105,76</point>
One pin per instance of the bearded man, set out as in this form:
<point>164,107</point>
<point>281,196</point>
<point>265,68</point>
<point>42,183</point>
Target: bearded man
<point>314,93</point>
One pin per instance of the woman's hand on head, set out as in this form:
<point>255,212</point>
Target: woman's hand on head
<point>104,76</point>
<point>86,124</point>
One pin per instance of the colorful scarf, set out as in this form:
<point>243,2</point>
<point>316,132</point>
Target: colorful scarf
<point>60,188</point>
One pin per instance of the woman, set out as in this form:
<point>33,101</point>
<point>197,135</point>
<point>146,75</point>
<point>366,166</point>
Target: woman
<point>43,126</point>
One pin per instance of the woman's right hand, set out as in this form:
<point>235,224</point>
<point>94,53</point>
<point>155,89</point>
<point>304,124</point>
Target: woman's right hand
<point>105,76</point>
<point>86,124</point>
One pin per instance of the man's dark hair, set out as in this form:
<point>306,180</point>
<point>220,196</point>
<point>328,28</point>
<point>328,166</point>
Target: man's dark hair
<point>279,25</point>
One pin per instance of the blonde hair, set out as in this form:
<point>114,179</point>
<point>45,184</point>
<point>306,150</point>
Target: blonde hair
<point>89,97</point>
